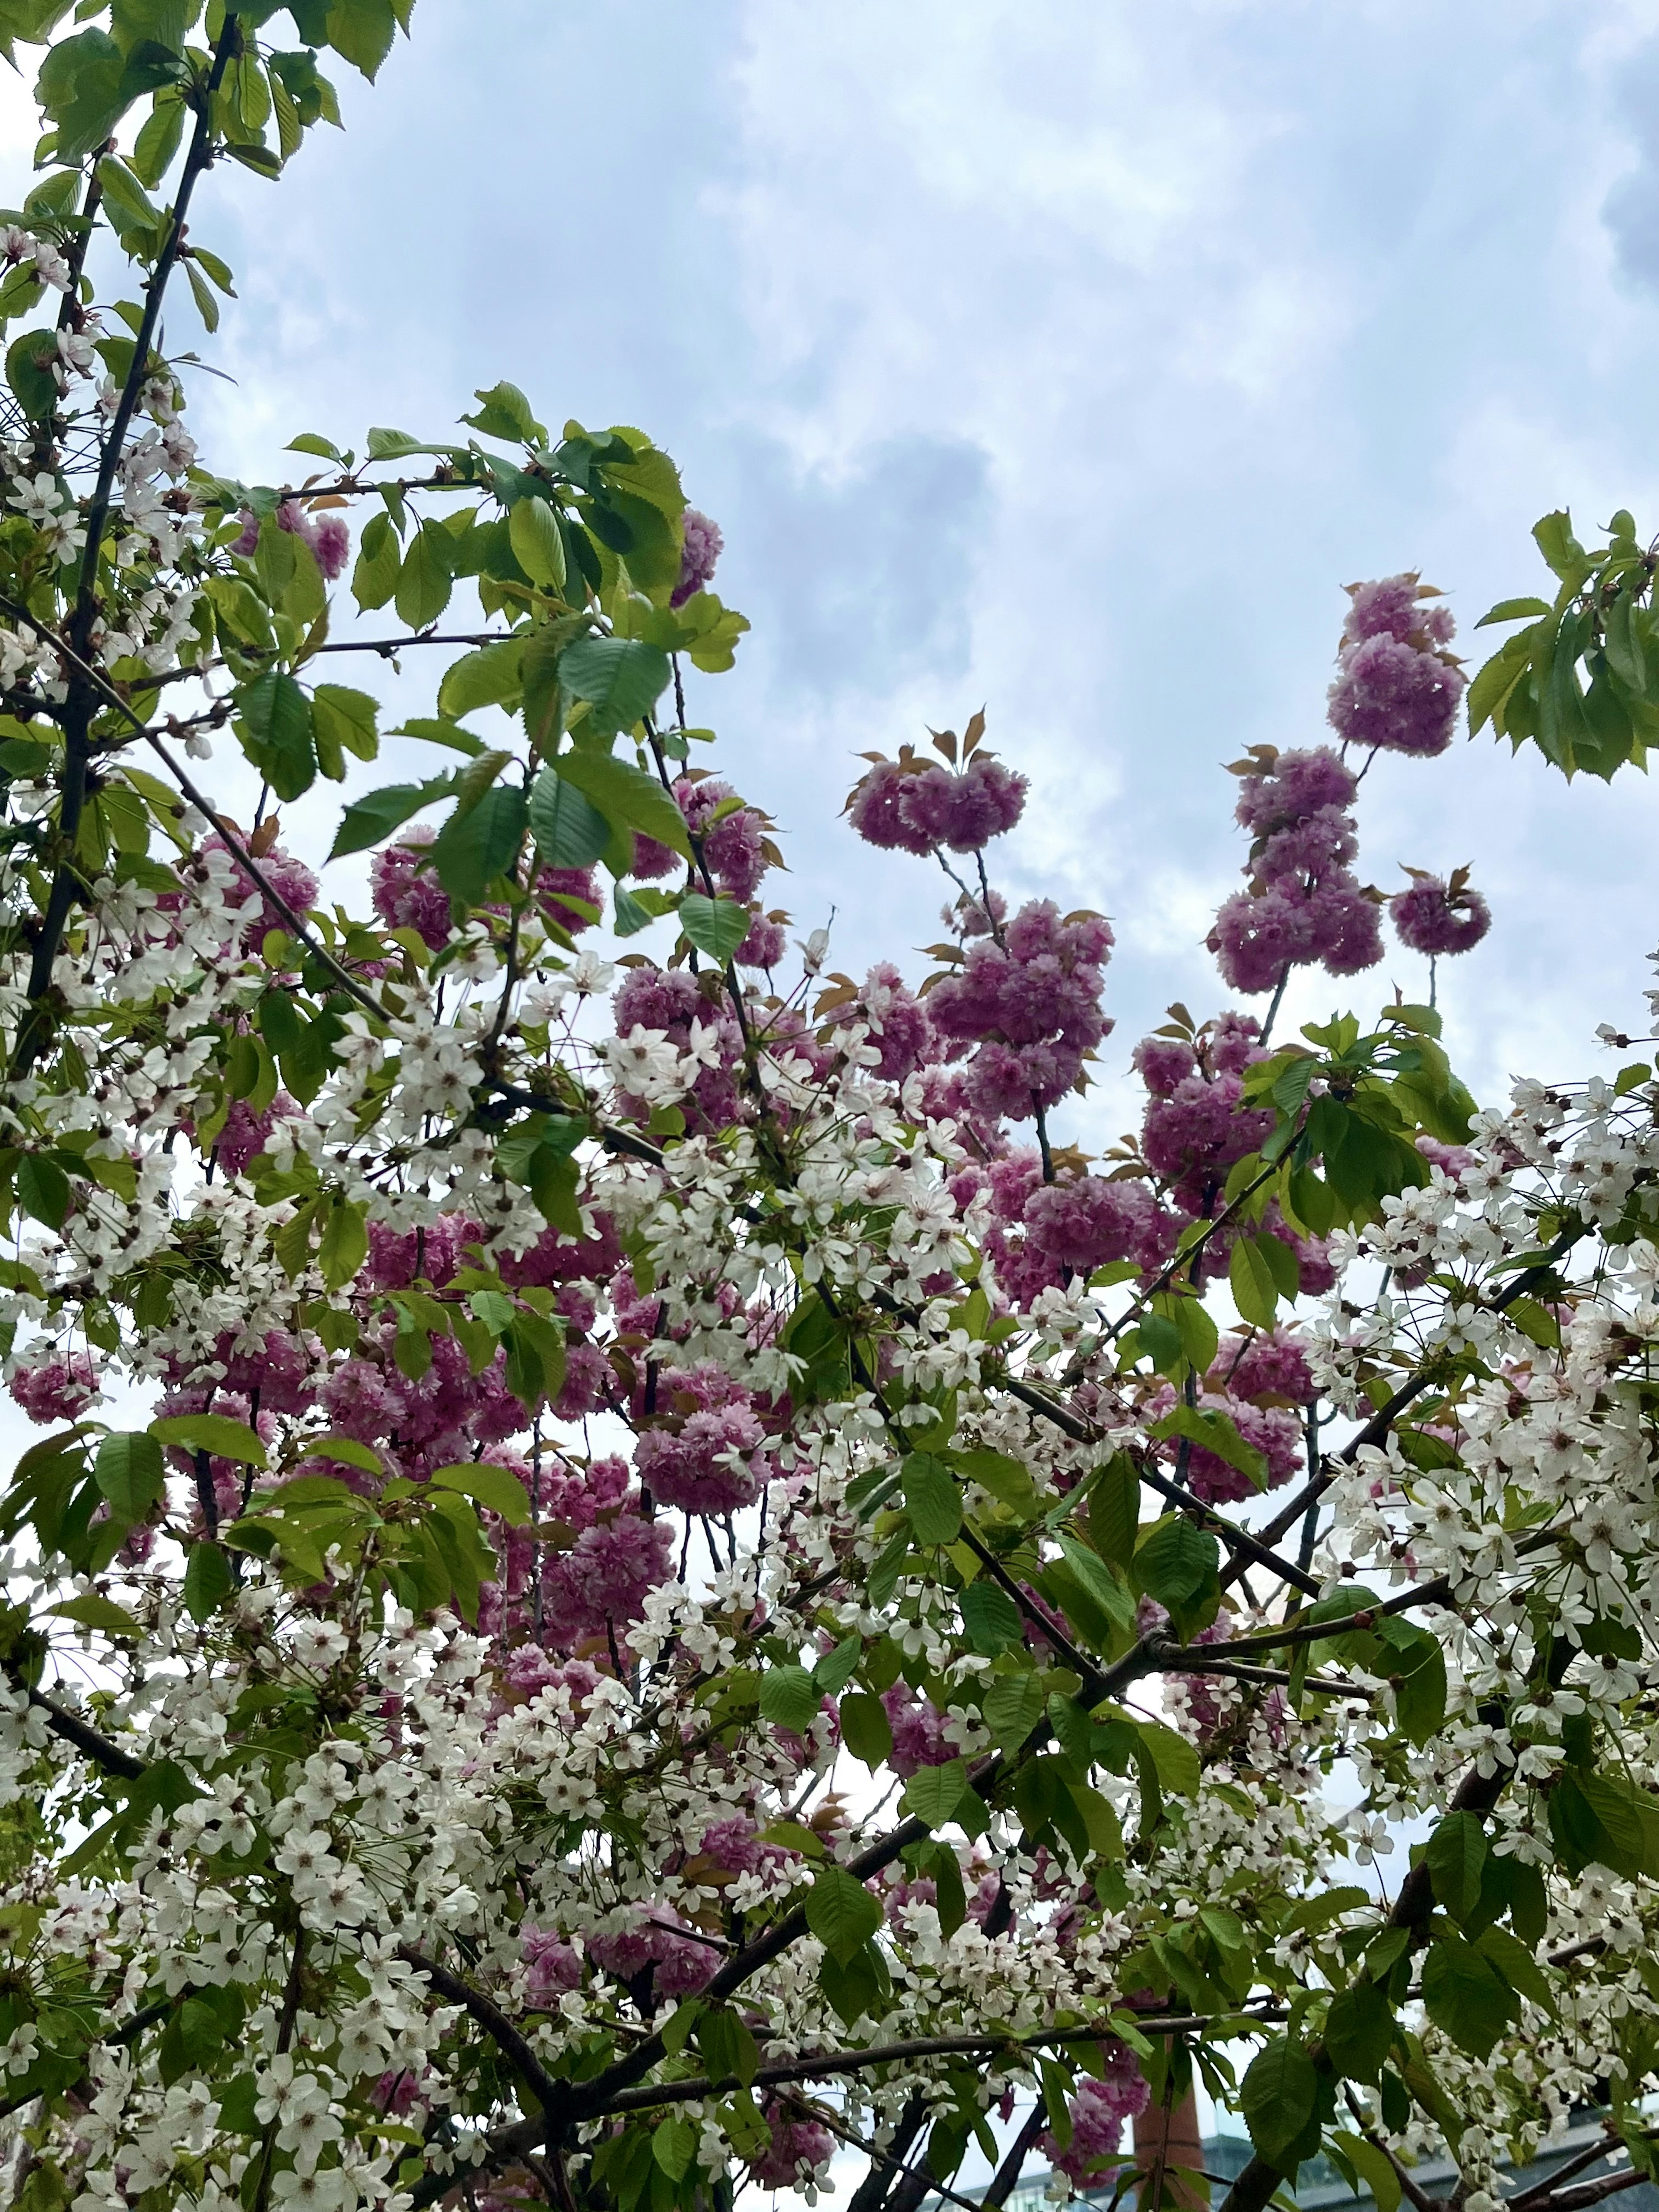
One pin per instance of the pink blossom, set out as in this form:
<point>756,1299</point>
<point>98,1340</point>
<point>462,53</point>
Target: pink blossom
<point>876,810</point>
<point>1392,695</point>
<point>245,1133</point>
<point>59,1389</point>
<point>1162,1063</point>
<point>707,1466</point>
<point>699,550</point>
<point>553,1966</point>
<point>764,945</point>
<point>800,2150</point>
<point>331,541</point>
<point>1431,918</point>
<point>406,896</point>
<point>1083,1222</point>
<point>1298,785</point>
<point>918,1727</point>
<point>1098,2110</point>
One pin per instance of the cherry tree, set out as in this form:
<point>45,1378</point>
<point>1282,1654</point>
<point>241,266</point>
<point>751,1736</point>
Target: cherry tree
<point>638,1572</point>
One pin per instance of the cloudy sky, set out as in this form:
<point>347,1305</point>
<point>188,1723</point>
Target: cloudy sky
<point>1065,358</point>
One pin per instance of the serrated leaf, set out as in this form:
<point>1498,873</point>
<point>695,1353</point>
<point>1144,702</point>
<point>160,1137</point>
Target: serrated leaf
<point>569,831</point>
<point>128,1472</point>
<point>208,1581</point>
<point>933,1793</point>
<point>98,1612</point>
<point>472,849</point>
<point>1012,1706</point>
<point>1278,2097</point>
<point>931,1499</point>
<point>369,819</point>
<point>841,1913</point>
<point>212,1432</point>
<point>1465,1994</point>
<point>620,678</point>
<point>715,926</point>
<point>537,542</point>
<point>789,1698</point>
<point>489,678</point>
<point>627,797</point>
<point>497,1488</point>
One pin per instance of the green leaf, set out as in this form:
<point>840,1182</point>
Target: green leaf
<point>99,1613</point>
<point>715,926</point>
<point>1256,1293</point>
<point>1176,1562</point>
<point>674,2145</point>
<point>497,1488</point>
<point>1466,1995</point>
<point>473,849</point>
<point>344,1244</point>
<point>347,720</point>
<point>1098,1580</point>
<point>489,678</point>
<point>129,1474</point>
<point>864,1728</point>
<point>1456,1852</point>
<point>569,831</point>
<point>1508,611</point>
<point>789,1698</point>
<point>504,412</point>
<point>627,797</point>
<point>1215,1433</point>
<point>841,1913</point>
<point>29,362</point>
<point>275,726</point>
<point>990,1618</point>
<point>427,577</point>
<point>361,31</point>
<point>1359,2031</point>
<point>1374,2168</point>
<point>43,1189</point>
<point>537,542</point>
<point>380,562</point>
<point>1180,1773</point>
<point>208,1581</point>
<point>81,87</point>
<point>1012,1706</point>
<point>1560,548</point>
<point>620,678</point>
<point>212,1432</point>
<point>378,813</point>
<point>1279,2098</point>
<point>931,1499</point>
<point>933,1793</point>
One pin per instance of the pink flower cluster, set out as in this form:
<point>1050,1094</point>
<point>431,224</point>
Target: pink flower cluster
<point>737,851</point>
<point>1434,917</point>
<point>1397,687</point>
<point>1029,1001</point>
<point>1098,2111</point>
<point>800,2147</point>
<point>406,893</point>
<point>327,533</point>
<point>700,549</point>
<point>915,807</point>
<point>918,1727</point>
<point>59,1388</point>
<point>1304,904</point>
<point>679,1965</point>
<point>705,1457</point>
<point>1270,1430</point>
